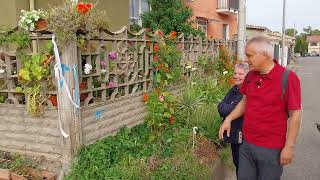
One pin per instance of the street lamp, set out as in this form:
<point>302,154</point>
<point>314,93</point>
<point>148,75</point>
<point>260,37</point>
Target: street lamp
<point>283,31</point>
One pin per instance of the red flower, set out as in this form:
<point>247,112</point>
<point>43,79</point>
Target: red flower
<point>155,58</point>
<point>84,8</point>
<point>145,97</point>
<point>171,119</point>
<point>89,6</point>
<point>156,48</point>
<point>160,33</point>
<point>173,34</point>
<point>149,44</point>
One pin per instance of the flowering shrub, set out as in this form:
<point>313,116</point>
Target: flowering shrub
<point>167,70</point>
<point>224,65</point>
<point>160,108</point>
<point>28,19</point>
<point>166,60</point>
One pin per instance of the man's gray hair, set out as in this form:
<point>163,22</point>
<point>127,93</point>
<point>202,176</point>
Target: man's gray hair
<point>243,66</point>
<point>262,45</point>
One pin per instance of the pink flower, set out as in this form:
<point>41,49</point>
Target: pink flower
<point>113,55</point>
<point>110,85</point>
<point>103,63</point>
<point>161,98</point>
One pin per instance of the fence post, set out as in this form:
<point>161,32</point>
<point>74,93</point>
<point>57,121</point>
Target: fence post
<point>68,114</point>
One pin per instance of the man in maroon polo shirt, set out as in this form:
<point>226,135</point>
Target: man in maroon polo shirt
<point>268,143</point>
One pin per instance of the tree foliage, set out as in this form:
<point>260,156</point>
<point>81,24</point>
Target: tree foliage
<point>168,16</point>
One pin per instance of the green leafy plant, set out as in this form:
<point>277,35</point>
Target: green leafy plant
<point>224,67</point>
<point>33,75</point>
<point>160,109</point>
<point>207,65</point>
<point>168,16</point>
<point>15,37</point>
<point>190,99</point>
<point>166,61</point>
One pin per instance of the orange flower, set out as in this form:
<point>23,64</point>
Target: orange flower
<point>173,34</point>
<point>145,97</point>
<point>231,81</point>
<point>171,119</point>
<point>166,69</point>
<point>156,48</point>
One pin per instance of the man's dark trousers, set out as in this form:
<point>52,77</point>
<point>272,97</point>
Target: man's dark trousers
<point>259,163</point>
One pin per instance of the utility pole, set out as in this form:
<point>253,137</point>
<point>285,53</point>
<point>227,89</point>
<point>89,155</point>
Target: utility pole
<point>283,31</point>
<point>241,29</point>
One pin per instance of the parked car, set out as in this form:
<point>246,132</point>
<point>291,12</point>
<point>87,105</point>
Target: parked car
<point>297,55</point>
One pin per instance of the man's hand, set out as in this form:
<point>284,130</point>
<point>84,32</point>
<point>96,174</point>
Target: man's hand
<point>286,156</point>
<point>226,126</point>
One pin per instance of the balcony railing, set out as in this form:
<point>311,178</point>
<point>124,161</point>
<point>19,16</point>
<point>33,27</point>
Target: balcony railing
<point>228,7</point>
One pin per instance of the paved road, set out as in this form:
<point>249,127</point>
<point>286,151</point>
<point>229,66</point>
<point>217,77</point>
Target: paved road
<point>306,165</point>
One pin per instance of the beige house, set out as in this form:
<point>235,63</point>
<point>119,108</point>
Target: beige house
<point>276,39</point>
<point>118,10</point>
<point>313,44</point>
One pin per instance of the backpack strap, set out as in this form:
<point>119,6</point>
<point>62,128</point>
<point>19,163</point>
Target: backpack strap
<point>284,83</point>
<point>285,76</point>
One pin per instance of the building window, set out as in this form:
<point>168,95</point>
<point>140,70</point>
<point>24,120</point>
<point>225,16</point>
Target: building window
<point>138,7</point>
<point>225,31</point>
<point>313,44</point>
<point>202,25</point>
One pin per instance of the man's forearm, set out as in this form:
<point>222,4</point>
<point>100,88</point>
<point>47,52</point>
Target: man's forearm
<point>238,110</point>
<point>293,127</point>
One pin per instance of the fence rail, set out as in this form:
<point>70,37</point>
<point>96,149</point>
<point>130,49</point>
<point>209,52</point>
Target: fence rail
<point>121,64</point>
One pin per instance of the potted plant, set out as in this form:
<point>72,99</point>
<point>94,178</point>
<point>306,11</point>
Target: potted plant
<point>33,20</point>
<point>70,19</point>
<point>33,75</point>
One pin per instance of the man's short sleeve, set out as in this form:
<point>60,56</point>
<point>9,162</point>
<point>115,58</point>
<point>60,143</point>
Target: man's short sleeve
<point>293,92</point>
<point>243,88</point>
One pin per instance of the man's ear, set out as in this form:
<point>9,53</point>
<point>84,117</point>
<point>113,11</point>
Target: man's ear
<point>265,55</point>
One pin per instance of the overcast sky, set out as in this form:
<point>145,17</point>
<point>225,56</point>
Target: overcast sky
<point>268,13</point>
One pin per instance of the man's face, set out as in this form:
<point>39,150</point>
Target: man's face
<point>238,76</point>
<point>253,58</point>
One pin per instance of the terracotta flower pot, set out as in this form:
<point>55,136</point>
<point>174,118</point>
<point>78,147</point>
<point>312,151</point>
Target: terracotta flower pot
<point>20,97</point>
<point>15,176</point>
<point>43,174</point>
<point>5,174</point>
<point>41,24</point>
<point>82,86</point>
<point>53,99</point>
